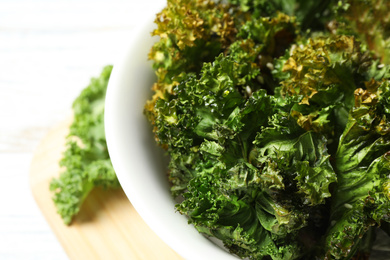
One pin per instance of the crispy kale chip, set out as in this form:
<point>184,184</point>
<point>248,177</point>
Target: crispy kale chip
<point>86,162</point>
<point>190,32</point>
<point>311,14</point>
<point>276,125</point>
<point>362,198</point>
<point>323,73</point>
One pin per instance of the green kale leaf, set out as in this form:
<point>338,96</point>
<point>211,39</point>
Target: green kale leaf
<point>86,162</point>
<point>362,197</point>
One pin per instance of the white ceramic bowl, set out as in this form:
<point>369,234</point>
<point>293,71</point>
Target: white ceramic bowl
<point>138,161</point>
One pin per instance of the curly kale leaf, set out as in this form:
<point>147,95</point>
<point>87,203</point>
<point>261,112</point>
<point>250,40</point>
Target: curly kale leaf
<point>323,73</point>
<point>296,178</point>
<point>310,14</point>
<point>86,162</point>
<point>190,32</point>
<point>362,197</point>
<point>174,64</point>
<point>259,42</point>
<point>194,32</point>
<point>225,203</point>
<point>302,161</point>
<point>210,107</point>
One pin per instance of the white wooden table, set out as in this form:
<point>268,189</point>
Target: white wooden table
<point>48,52</point>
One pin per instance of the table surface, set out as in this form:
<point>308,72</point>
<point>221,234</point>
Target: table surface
<point>49,50</point>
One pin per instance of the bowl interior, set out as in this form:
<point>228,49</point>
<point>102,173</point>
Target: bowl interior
<point>139,163</point>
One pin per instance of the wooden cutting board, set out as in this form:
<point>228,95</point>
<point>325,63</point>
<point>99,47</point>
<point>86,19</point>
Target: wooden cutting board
<point>107,227</point>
